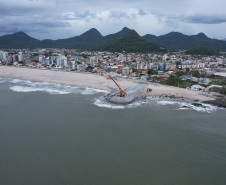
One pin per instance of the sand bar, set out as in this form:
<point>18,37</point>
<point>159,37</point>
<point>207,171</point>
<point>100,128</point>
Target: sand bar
<point>95,81</point>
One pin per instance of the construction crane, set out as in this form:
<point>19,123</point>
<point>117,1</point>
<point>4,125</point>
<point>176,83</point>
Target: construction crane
<point>122,93</point>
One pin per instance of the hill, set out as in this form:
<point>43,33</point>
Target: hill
<point>91,39</point>
<point>131,42</point>
<point>201,51</point>
<point>85,41</point>
<point>126,39</point>
<point>175,40</point>
<point>17,40</point>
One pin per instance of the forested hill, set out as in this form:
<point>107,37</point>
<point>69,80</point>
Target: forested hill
<point>175,40</point>
<point>126,39</point>
<point>132,42</point>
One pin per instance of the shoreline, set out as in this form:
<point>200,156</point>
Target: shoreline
<point>97,81</point>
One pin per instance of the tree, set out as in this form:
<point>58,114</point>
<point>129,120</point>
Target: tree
<point>134,70</point>
<point>180,73</point>
<point>178,63</point>
<point>152,72</point>
<point>155,78</point>
<point>196,73</point>
<point>203,75</point>
<point>84,56</point>
<point>187,70</point>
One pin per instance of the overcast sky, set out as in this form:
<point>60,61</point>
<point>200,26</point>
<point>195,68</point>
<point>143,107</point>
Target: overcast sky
<point>56,19</point>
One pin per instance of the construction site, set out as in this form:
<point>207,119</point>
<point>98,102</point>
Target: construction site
<point>127,96</point>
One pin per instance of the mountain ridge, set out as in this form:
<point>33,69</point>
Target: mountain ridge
<point>92,39</point>
<point>131,42</point>
<point>176,40</point>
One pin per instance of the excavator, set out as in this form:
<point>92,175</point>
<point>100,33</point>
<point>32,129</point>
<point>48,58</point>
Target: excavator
<point>122,93</point>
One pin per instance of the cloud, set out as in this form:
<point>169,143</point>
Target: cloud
<point>73,17</point>
<point>85,15</point>
<point>205,19</point>
<point>142,12</point>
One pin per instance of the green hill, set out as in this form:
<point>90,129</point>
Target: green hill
<point>126,39</point>
<point>17,40</point>
<point>175,40</point>
<point>131,42</point>
<point>201,51</point>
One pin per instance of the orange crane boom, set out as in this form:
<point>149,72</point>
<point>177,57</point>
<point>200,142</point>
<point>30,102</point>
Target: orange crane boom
<point>123,93</point>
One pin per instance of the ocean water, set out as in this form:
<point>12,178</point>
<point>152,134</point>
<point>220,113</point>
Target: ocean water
<point>52,135</point>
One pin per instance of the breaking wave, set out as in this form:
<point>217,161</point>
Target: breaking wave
<point>183,104</point>
<point>101,102</point>
<point>33,89</point>
<point>3,80</point>
<point>26,86</point>
<point>51,88</point>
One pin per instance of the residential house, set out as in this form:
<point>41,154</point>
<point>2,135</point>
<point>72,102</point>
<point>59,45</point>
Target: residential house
<point>185,77</point>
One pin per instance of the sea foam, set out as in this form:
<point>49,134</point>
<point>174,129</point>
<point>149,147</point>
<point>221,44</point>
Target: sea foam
<point>51,88</point>
<point>101,102</point>
<point>182,104</point>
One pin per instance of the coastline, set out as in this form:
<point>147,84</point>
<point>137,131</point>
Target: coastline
<point>97,81</point>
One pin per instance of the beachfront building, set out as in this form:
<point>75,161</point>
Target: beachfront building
<point>10,60</point>
<point>61,61</point>
<point>81,67</point>
<point>3,55</point>
<point>48,61</point>
<point>26,58</point>
<point>20,56</point>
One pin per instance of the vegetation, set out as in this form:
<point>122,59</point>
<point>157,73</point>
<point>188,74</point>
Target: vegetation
<point>177,82</point>
<point>196,73</point>
<point>125,40</point>
<point>201,51</point>
<point>215,83</point>
<point>176,41</point>
<point>93,40</point>
<point>222,91</point>
<point>131,42</point>
<point>152,72</point>
<point>180,73</point>
<point>134,70</point>
<point>177,64</point>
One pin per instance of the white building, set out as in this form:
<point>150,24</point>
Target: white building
<point>94,60</point>
<point>197,87</point>
<point>144,66</point>
<point>125,71</point>
<point>61,61</point>
<point>3,55</point>
<point>20,56</point>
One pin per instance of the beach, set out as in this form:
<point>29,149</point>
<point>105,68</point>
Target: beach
<point>96,81</point>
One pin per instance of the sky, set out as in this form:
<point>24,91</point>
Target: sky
<point>58,19</point>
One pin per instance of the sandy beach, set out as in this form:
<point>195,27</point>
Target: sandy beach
<point>95,81</point>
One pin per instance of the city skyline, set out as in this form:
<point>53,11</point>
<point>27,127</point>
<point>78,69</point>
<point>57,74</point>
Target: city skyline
<point>57,20</point>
